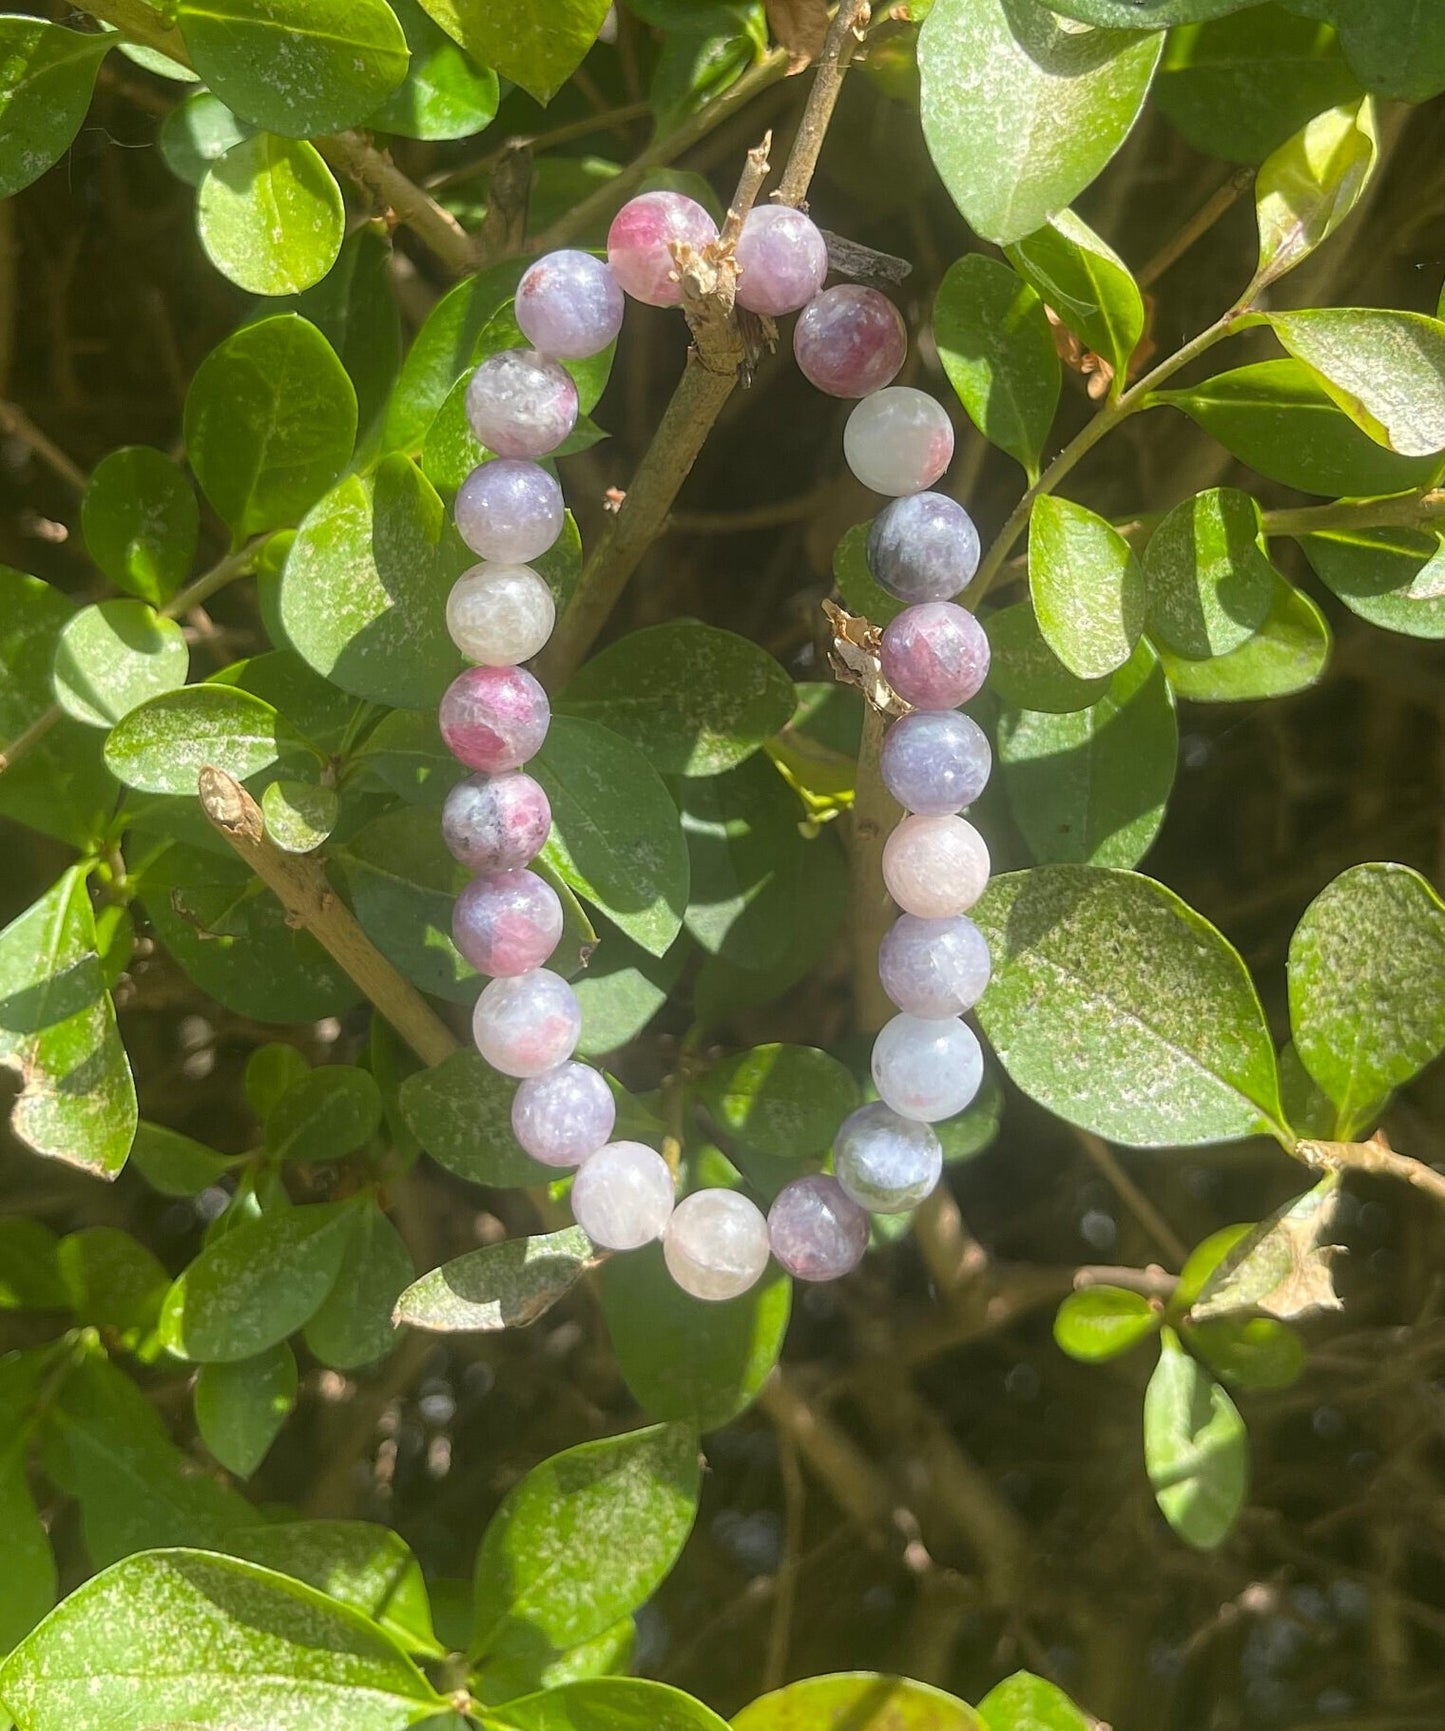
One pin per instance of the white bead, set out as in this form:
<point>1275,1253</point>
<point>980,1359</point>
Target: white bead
<point>899,440</point>
<point>935,866</point>
<point>500,615</point>
<point>927,1069</point>
<point>622,1196</point>
<point>716,1244</point>
<point>885,1162</point>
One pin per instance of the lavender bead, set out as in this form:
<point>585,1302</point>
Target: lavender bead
<point>782,260</point>
<point>935,866</point>
<point>927,1068</point>
<point>935,761</point>
<point>565,1115</point>
<point>884,1162</point>
<point>622,1197</point>
<point>569,305</point>
<point>817,1230</point>
<point>508,923</point>
<point>529,1024</point>
<point>934,968</point>
<point>498,615</point>
<point>520,404</point>
<point>641,239</point>
<point>509,511</point>
<point>935,656</point>
<point>493,718</point>
<point>496,823</point>
<point>898,441</point>
<point>923,548</point>
<point>850,341</point>
<point>716,1244</point>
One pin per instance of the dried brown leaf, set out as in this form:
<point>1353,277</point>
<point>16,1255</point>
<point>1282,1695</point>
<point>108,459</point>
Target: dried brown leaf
<point>799,26</point>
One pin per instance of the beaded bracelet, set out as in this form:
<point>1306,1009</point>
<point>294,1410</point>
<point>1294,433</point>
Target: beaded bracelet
<point>850,341</point>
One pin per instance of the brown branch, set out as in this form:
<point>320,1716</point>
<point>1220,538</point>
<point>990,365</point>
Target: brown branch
<point>1150,1282</point>
<point>853,1481</point>
<point>18,425</point>
<point>874,814</point>
<point>1134,1199</point>
<point>299,883</point>
<point>844,33</point>
<point>1375,1157</point>
<point>1219,201</point>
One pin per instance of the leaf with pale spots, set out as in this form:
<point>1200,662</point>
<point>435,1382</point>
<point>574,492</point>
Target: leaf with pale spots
<point>859,1701</point>
<point>46,77</point>
<point>505,1285</point>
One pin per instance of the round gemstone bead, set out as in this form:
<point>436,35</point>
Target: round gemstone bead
<point>528,1024</point>
<point>935,866</point>
<point>640,242</point>
<point>898,440</point>
<point>817,1230</point>
<point>493,718</point>
<point>924,547</point>
<point>508,923</point>
<point>520,404</point>
<point>509,511</point>
<point>926,1067</point>
<point>935,761</point>
<point>622,1197</point>
<point>496,823</point>
<point>569,305</point>
<point>886,1163</point>
<point>782,260</point>
<point>499,615</point>
<point>934,968</point>
<point>565,1115</point>
<point>716,1244</point>
<point>935,656</point>
<point>850,341</point>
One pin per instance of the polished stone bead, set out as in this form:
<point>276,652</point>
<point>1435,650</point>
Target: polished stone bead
<point>817,1230</point>
<point>936,655</point>
<point>528,1024</point>
<point>934,967</point>
<point>850,341</point>
<point>927,1068</point>
<point>494,718</point>
<point>923,547</point>
<point>935,866</point>
<point>499,615</point>
<point>509,511</point>
<point>935,761</point>
<point>782,260</point>
<point>520,404</point>
<point>622,1196</point>
<point>564,1115</point>
<point>496,823</point>
<point>569,305</point>
<point>507,923</point>
<point>716,1244</point>
<point>886,1163</point>
<point>641,239</point>
<point>898,440</point>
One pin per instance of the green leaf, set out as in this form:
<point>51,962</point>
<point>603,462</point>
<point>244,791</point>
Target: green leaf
<point>461,1112</point>
<point>258,1284</point>
<point>615,836</point>
<point>537,47</point>
<point>785,1101</point>
<point>1020,112</point>
<point>198,131</point>
<point>326,717</point>
<point>858,1701</point>
<point>1376,573</point>
<point>521,1662</point>
<point>28,1576</point>
<point>46,77</point>
<point>140,521</point>
<point>685,1358</point>
<point>861,594</point>
<point>57,1028</point>
<point>608,1704</point>
<point>113,655</point>
<point>1101,1322</point>
<point>1121,1009</point>
<point>1091,786</point>
<point>1397,47</point>
<point>190,1639</point>
<point>300,814</point>
<point>1195,1448</point>
<point>353,1326</point>
<point>588,1535</point>
<point>1384,369</point>
<point>1249,1352</point>
<point>1026,674</point>
<point>444,94</point>
<point>1087,285</point>
<point>363,592</point>
<point>1277,417</point>
<point>271,1071</point>
<point>1208,573</point>
<point>996,346</point>
<point>270,422</point>
<point>174,1164</point>
<point>693,699</point>
<point>506,1285</point>
<point>404,751</point>
<point>241,1407</point>
<point>1024,1702</point>
<point>325,1115</point>
<point>1312,183</point>
<point>270,215</point>
<point>307,67</point>
<point>1367,986</point>
<point>113,1282</point>
<point>1151,14</point>
<point>29,1274</point>
<point>162,744</point>
<point>1287,653</point>
<point>622,988</point>
<point>1087,587</point>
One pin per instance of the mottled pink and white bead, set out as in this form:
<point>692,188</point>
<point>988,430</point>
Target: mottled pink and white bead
<point>934,968</point>
<point>494,718</point>
<point>622,1197</point>
<point>641,240</point>
<point>927,1068</point>
<point>508,923</point>
<point>898,440</point>
<point>817,1230</point>
<point>935,866</point>
<point>716,1244</point>
<point>935,761</point>
<point>509,511</point>
<point>520,404</point>
<point>496,823</point>
<point>528,1024</point>
<point>850,341</point>
<point>498,615</point>
<point>935,656</point>
<point>569,305</point>
<point>564,1116</point>
<point>782,259</point>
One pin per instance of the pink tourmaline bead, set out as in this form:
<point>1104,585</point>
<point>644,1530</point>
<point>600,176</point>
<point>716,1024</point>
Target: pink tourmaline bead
<point>562,1117</point>
<point>935,656</point>
<point>527,1025</point>
<point>850,340</point>
<point>520,404</point>
<point>494,718</point>
<point>496,823</point>
<point>923,547</point>
<point>817,1230</point>
<point>509,511</point>
<point>898,440</point>
<point>935,866</point>
<point>935,761</point>
<point>782,260</point>
<point>508,923</point>
<point>640,242</point>
<point>569,305</point>
<point>934,968</point>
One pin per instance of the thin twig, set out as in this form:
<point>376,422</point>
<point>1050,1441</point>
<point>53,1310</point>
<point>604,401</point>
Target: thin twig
<point>1376,1157</point>
<point>785,1587</point>
<point>838,48</point>
<point>870,911</point>
<point>1223,198</point>
<point>18,425</point>
<point>1134,1199</point>
<point>1408,511</point>
<point>854,1482</point>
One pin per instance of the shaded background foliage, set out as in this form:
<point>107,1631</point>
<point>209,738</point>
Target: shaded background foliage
<point>1327,1607</point>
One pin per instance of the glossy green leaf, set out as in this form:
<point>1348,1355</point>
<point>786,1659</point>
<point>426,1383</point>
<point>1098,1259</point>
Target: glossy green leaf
<point>1311,184</point>
<point>622,988</point>
<point>1026,674</point>
<point>181,1637</point>
<point>1024,1702</point>
<point>271,1071</point>
<point>270,215</point>
<point>1101,1322</point>
<point>354,1324</point>
<point>198,131</point>
<point>1397,47</point>
<point>162,744</point>
<point>1249,1352</point>
<point>1377,572</point>
<point>175,1164</point>
<point>461,1112</point>
<point>744,845</point>
<point>325,1115</point>
<point>140,521</point>
<point>300,814</point>
<point>607,1704</point>
<point>1287,653</point>
<point>1195,1448</point>
<point>861,594</point>
<point>1091,786</point>
<point>46,77</point>
<point>1020,112</point>
<point>520,1662</point>
<point>113,655</point>
<point>1087,285</point>
<point>302,68</point>
<point>1147,14</point>
<point>1087,587</point>
<point>270,423</point>
<point>785,1101</point>
<point>354,306</point>
<point>28,1576</point>
<point>445,94</point>
<point>536,47</point>
<point>1121,1009</point>
<point>29,1274</point>
<point>1210,582</point>
<point>1367,986</point>
<point>1385,369</point>
<point>858,1701</point>
<point>506,1285</point>
<point>113,1282</point>
<point>241,1407</point>
<point>996,346</point>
